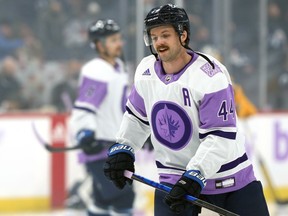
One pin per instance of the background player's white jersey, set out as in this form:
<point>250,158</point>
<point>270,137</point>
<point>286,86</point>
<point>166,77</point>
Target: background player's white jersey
<point>192,120</point>
<point>101,99</point>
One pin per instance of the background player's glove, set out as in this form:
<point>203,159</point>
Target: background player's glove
<point>120,157</point>
<point>86,141</point>
<point>191,183</point>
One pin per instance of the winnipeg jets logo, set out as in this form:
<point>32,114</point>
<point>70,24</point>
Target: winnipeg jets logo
<point>168,124</point>
<point>171,125</point>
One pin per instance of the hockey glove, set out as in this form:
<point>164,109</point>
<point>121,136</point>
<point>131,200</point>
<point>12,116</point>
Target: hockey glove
<point>191,183</point>
<point>86,141</point>
<point>120,157</point>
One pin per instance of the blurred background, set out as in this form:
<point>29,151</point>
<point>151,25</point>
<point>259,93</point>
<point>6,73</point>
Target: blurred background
<point>43,44</point>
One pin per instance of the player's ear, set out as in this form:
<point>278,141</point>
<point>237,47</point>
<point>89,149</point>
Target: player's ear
<point>99,46</point>
<point>183,37</point>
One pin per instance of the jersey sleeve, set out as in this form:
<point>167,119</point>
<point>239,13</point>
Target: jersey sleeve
<point>217,127</point>
<point>91,93</point>
<point>135,128</point>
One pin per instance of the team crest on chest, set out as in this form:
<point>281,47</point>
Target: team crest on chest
<point>171,125</point>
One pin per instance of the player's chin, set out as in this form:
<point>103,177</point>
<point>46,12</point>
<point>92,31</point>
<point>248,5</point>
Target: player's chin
<point>118,53</point>
<point>162,56</point>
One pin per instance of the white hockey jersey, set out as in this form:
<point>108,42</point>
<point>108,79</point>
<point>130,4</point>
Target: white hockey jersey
<point>101,101</point>
<point>192,121</point>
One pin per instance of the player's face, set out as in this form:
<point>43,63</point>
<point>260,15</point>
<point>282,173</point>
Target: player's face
<point>114,45</point>
<point>166,42</point>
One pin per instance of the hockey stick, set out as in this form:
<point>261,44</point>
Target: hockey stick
<point>49,147</point>
<point>264,169</point>
<point>167,189</point>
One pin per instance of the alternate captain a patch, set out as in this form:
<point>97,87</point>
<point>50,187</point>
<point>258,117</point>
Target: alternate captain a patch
<point>208,69</point>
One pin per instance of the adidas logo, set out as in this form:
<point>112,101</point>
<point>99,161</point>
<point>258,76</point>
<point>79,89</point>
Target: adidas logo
<point>146,72</point>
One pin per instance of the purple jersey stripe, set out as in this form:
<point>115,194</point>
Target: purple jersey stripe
<point>169,178</point>
<point>160,165</point>
<point>130,112</point>
<point>237,181</point>
<point>124,99</point>
<point>216,186</point>
<point>137,101</point>
<point>233,164</point>
<point>227,135</point>
<point>85,109</point>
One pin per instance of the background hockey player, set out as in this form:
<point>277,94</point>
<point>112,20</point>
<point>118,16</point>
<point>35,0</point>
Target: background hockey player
<point>97,114</point>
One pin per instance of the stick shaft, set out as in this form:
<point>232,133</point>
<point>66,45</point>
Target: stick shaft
<point>191,199</point>
<point>48,146</point>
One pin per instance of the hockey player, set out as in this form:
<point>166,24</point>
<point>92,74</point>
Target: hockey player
<point>185,100</point>
<point>97,115</point>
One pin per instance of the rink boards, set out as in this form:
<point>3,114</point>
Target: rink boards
<point>34,179</point>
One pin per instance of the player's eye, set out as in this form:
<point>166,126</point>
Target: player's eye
<point>154,38</point>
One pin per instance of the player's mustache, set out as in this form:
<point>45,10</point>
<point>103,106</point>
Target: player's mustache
<point>119,49</point>
<point>161,48</point>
